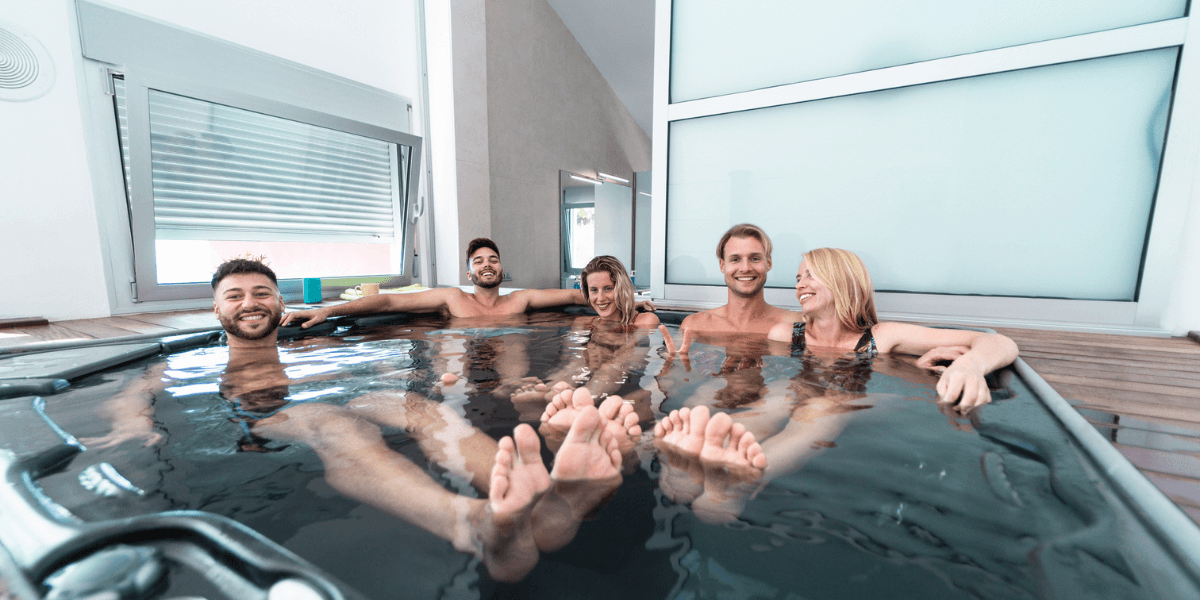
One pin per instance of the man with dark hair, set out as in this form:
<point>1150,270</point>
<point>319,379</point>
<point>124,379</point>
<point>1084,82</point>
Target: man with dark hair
<point>483,269</point>
<point>247,302</point>
<point>242,265</point>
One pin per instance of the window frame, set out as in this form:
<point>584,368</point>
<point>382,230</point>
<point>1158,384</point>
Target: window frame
<point>109,40</point>
<point>138,83</point>
<point>1170,204</point>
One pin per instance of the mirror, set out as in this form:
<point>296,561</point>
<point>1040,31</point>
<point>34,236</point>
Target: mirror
<point>596,219</point>
<point>641,230</point>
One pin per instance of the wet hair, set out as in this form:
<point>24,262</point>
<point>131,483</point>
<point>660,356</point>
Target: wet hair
<point>242,265</point>
<point>744,230</point>
<point>476,244</point>
<point>844,273</point>
<point>622,285</point>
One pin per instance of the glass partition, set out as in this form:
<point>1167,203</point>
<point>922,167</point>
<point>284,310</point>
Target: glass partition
<point>1034,183</point>
<point>642,209</point>
<point>597,219</point>
<point>727,46</point>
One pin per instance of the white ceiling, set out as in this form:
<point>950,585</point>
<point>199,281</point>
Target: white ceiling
<point>618,35</point>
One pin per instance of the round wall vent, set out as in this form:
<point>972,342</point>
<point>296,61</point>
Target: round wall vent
<point>26,71</point>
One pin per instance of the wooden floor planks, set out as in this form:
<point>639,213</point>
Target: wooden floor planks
<point>1142,392</point>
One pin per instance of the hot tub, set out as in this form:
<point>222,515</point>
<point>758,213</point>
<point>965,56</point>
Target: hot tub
<point>893,499</point>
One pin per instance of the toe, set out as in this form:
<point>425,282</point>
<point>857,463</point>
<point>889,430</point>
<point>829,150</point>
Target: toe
<point>528,446</point>
<point>585,426</point>
<point>581,397</point>
<point>717,430</point>
<point>685,420</point>
<point>699,420</point>
<point>610,408</point>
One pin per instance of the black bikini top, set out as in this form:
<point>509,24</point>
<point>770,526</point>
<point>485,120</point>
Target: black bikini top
<point>865,346</point>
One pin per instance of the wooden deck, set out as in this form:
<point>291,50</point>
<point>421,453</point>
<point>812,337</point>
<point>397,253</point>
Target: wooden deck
<point>1143,393</point>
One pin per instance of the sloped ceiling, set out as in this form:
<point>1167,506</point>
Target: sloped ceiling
<point>618,35</point>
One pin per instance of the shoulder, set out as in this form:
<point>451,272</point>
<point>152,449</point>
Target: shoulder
<point>790,316</point>
<point>888,334</point>
<point>698,319</point>
<point>444,292</point>
<point>646,320</point>
<point>447,294</point>
<point>781,331</point>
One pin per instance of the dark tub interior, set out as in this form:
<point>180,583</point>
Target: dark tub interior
<point>903,502</point>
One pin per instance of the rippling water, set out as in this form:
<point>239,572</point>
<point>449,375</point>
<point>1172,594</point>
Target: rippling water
<point>872,492</point>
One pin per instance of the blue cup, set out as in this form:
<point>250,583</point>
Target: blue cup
<point>312,290</point>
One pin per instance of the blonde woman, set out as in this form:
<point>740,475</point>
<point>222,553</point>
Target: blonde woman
<point>838,302</point>
<point>608,289</point>
<point>613,350</point>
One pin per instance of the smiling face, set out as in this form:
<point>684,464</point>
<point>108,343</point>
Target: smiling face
<point>602,294</point>
<point>248,305</point>
<point>486,271</point>
<point>813,294</point>
<point>745,266</point>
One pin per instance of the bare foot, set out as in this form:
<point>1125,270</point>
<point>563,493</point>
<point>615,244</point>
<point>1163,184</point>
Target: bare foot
<point>621,421</point>
<point>589,451</point>
<point>729,445</point>
<point>565,406</point>
<point>680,437</point>
<point>586,469</point>
<point>733,464</point>
<point>682,431</point>
<point>519,479</point>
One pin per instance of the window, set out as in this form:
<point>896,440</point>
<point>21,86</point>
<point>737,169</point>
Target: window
<point>227,182</point>
<point>987,162</point>
<point>226,151</point>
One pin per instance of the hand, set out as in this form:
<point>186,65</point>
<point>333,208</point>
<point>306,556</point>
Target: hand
<point>683,348</point>
<point>964,384</point>
<point>644,306</point>
<point>306,318</point>
<point>948,354</point>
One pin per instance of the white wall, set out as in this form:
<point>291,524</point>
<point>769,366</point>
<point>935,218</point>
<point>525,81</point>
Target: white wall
<point>549,109</point>
<point>370,41</point>
<point>472,169</point>
<point>49,240</point>
<point>49,234</point>
<point>439,51</point>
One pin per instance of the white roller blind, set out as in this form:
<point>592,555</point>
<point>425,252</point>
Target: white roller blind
<point>226,173</point>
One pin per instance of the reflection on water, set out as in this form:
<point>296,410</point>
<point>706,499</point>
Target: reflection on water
<point>870,492</point>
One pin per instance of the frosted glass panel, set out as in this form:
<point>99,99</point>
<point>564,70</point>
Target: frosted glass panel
<point>642,209</point>
<point>614,222</point>
<point>1030,183</point>
<point>727,46</point>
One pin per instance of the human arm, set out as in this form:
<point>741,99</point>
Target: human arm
<point>965,376</point>
<point>942,354</point>
<point>538,299</point>
<point>427,301</point>
<point>130,412</point>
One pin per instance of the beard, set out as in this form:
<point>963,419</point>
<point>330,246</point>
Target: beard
<point>233,326</point>
<point>495,283</point>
